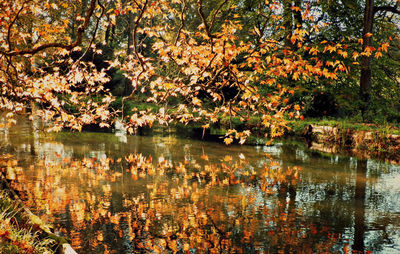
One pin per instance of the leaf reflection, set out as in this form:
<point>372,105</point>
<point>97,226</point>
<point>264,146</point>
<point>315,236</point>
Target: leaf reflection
<point>145,204</point>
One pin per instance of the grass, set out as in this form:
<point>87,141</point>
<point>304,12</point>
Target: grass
<point>387,128</point>
<point>130,105</point>
<point>16,235</point>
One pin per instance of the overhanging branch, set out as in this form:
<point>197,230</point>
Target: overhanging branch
<point>78,41</point>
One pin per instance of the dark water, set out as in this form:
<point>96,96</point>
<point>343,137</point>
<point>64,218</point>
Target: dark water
<point>185,195</point>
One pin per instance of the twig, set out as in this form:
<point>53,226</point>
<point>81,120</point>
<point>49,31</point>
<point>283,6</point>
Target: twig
<point>12,23</point>
<point>95,30</point>
<point>182,23</point>
<point>203,19</point>
<point>142,10</point>
<point>215,13</point>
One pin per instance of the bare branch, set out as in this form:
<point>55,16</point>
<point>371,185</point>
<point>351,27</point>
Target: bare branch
<point>392,9</point>
<point>182,22</point>
<point>95,29</point>
<point>215,14</point>
<point>203,19</point>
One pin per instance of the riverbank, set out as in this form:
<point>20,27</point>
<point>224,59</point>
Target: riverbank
<point>357,139</point>
<point>328,136</point>
<point>15,234</point>
<point>20,230</point>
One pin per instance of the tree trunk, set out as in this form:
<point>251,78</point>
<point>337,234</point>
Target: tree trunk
<point>292,20</point>
<point>297,18</point>
<point>287,22</point>
<point>365,79</point>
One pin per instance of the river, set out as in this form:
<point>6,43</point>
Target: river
<point>113,193</point>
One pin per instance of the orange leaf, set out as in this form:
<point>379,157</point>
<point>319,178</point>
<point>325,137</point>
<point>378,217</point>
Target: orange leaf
<point>385,46</point>
<point>378,54</point>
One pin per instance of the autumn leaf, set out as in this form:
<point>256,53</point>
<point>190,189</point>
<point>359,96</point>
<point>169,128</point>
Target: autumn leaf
<point>196,101</point>
<point>355,55</point>
<point>385,46</point>
<point>228,140</point>
<point>378,54</point>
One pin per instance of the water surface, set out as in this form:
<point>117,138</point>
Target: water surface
<point>109,192</point>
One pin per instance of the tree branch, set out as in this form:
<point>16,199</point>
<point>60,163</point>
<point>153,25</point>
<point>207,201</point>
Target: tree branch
<point>135,49</point>
<point>203,19</point>
<point>11,24</point>
<point>142,11</point>
<point>182,22</point>
<point>215,14</point>
<point>95,29</point>
<point>392,9</point>
<point>78,41</point>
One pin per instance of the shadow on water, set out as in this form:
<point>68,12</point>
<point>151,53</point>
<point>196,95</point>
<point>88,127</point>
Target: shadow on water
<point>124,194</point>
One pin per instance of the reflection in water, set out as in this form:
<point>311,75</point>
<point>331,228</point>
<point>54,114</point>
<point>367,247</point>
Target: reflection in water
<point>359,206</point>
<point>136,194</point>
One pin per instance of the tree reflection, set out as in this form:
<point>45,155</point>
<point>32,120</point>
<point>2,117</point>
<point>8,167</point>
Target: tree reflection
<point>168,207</point>
<point>359,206</point>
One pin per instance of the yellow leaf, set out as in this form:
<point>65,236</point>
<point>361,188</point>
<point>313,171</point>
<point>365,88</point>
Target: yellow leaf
<point>227,158</point>
<point>186,247</point>
<point>296,75</point>
<point>228,140</point>
<point>313,51</point>
<point>196,101</point>
<point>204,157</point>
<point>169,85</point>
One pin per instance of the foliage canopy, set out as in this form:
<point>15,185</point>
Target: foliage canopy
<point>198,60</point>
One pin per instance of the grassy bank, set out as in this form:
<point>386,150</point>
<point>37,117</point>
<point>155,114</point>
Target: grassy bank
<point>17,233</point>
<point>385,128</point>
<point>254,122</point>
<point>350,132</point>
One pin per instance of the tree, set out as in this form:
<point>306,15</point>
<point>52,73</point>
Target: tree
<point>221,72</point>
<point>366,76</point>
<point>34,67</point>
<point>191,58</point>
